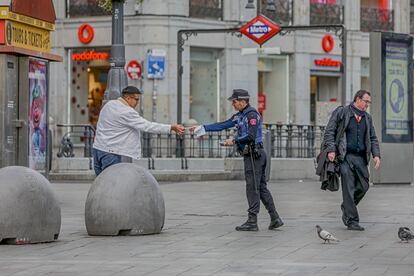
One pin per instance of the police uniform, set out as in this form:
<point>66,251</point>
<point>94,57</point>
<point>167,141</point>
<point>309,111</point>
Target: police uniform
<point>250,145</point>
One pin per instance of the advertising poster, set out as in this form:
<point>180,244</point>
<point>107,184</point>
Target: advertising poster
<point>396,93</point>
<point>396,80</point>
<point>37,114</point>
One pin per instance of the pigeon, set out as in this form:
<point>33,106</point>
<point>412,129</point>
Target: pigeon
<point>405,234</point>
<point>325,235</point>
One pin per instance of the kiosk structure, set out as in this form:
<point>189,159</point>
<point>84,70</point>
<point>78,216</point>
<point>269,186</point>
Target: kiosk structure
<point>391,70</point>
<point>24,82</point>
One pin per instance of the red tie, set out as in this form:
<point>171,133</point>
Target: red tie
<point>358,118</point>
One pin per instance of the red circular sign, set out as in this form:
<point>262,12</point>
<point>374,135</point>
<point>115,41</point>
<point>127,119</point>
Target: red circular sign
<point>86,33</point>
<point>134,70</point>
<point>327,43</point>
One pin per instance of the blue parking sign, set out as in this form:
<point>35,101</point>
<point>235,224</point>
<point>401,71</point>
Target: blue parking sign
<point>156,66</point>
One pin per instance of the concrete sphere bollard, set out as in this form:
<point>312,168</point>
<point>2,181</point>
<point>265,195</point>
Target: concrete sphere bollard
<point>125,199</point>
<point>29,210</point>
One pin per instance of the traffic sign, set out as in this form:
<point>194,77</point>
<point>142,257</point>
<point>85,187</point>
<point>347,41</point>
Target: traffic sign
<point>260,29</point>
<point>156,64</point>
<point>134,70</point>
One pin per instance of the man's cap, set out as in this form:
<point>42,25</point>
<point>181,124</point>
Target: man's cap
<point>239,94</point>
<point>130,90</point>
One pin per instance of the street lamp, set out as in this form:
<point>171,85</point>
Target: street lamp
<point>117,78</point>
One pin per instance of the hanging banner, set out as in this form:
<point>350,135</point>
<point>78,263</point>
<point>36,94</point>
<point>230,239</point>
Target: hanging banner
<point>37,114</point>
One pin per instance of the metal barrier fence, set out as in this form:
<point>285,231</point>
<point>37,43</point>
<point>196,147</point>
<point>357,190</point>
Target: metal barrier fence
<point>77,136</point>
<point>287,141</point>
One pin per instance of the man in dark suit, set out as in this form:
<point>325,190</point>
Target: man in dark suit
<point>357,143</point>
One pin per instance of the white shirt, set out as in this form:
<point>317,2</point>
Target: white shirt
<point>119,129</point>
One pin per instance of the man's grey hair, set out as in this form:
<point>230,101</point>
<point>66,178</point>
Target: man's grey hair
<point>360,94</point>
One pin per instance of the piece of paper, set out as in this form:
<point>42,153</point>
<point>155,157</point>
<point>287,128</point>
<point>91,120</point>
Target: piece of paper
<point>199,131</point>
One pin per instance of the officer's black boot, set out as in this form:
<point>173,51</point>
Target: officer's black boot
<point>275,221</point>
<point>249,225</point>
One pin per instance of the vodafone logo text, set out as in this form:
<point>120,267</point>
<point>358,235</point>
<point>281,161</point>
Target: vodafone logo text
<point>91,55</point>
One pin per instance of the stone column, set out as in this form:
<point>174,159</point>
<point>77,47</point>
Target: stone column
<point>401,10</point>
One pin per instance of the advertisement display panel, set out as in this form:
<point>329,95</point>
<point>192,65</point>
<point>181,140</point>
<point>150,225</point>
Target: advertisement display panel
<point>37,114</point>
<point>397,115</point>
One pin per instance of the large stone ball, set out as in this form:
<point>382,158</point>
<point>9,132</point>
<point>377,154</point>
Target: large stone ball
<point>29,210</point>
<point>125,199</point>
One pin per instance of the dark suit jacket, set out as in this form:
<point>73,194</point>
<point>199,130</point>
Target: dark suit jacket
<point>342,115</point>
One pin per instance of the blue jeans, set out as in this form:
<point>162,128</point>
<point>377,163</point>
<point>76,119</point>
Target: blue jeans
<point>102,160</point>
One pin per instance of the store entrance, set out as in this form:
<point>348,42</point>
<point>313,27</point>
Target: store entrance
<point>88,84</point>
<point>97,77</point>
<point>325,94</point>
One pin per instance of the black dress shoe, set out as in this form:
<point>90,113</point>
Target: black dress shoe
<point>275,223</point>
<point>355,227</point>
<point>248,226</point>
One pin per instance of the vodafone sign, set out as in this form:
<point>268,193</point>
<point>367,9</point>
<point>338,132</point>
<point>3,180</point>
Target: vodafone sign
<point>86,33</point>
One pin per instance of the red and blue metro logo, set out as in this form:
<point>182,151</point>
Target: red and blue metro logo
<point>260,29</point>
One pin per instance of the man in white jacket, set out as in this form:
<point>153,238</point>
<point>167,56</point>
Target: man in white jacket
<point>118,132</point>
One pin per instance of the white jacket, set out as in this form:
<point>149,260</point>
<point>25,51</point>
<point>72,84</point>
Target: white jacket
<point>119,129</point>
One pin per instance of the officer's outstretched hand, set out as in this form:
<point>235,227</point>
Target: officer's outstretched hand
<point>228,142</point>
<point>191,129</point>
<point>179,129</point>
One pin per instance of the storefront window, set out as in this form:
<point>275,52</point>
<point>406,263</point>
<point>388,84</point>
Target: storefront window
<point>89,72</point>
<point>83,8</point>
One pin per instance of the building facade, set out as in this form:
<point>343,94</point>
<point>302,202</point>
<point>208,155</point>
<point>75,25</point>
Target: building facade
<point>296,77</point>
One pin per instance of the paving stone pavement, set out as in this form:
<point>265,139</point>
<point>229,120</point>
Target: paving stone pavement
<point>199,236</point>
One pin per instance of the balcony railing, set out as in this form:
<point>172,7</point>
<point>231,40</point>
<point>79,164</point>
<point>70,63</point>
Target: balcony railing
<point>206,9</point>
<point>83,8</point>
<point>326,14</point>
<point>373,19</point>
<point>282,15</point>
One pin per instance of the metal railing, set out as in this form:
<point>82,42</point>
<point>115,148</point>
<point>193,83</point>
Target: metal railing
<point>326,14</point>
<point>76,136</point>
<point>282,15</point>
<point>206,9</point>
<point>287,141</point>
<point>374,19</point>
<point>75,8</point>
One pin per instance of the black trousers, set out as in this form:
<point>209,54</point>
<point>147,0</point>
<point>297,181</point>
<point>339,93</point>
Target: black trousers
<point>355,184</point>
<point>260,193</point>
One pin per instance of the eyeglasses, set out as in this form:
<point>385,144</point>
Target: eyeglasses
<point>136,99</point>
<point>366,101</point>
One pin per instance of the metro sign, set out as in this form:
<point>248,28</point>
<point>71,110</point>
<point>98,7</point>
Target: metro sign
<point>260,29</point>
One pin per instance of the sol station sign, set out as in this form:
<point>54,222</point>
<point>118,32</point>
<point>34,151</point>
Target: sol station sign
<point>260,29</point>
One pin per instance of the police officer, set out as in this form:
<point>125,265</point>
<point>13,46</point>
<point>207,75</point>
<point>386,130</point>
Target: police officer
<point>249,144</point>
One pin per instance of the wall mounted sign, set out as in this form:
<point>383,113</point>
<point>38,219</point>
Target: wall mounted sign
<point>24,32</point>
<point>328,43</point>
<point>326,63</point>
<point>86,33</point>
<point>91,55</point>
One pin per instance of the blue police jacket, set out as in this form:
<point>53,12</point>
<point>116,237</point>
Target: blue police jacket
<point>248,123</point>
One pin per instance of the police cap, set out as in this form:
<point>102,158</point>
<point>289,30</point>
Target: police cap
<point>239,94</point>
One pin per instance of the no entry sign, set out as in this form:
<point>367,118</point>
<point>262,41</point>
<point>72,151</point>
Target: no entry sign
<point>134,70</point>
<point>260,29</point>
